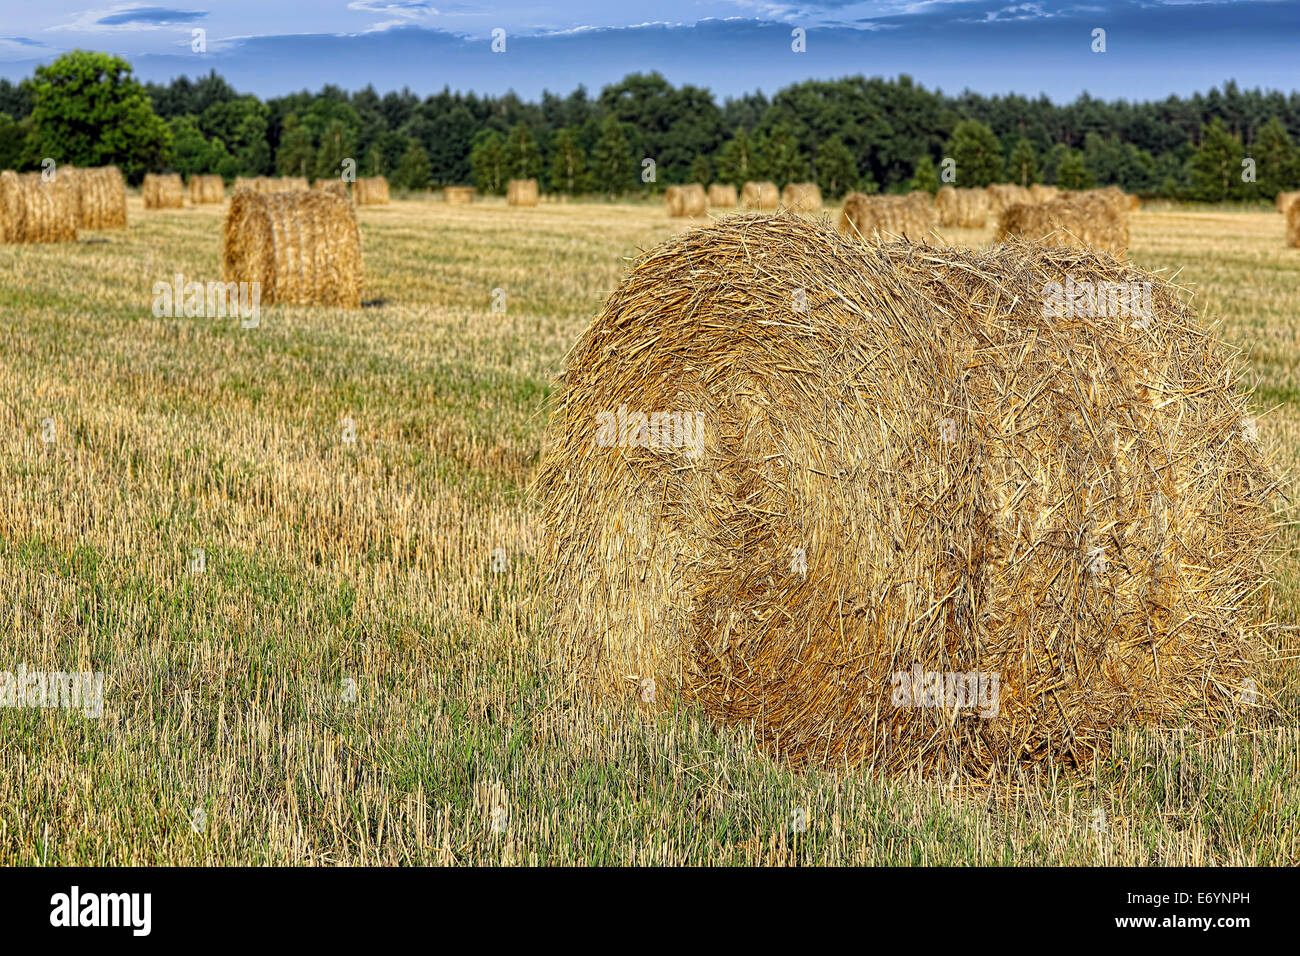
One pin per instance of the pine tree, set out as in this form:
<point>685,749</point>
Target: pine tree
<point>925,177</point>
<point>782,160</point>
<point>1216,166</point>
<point>413,170</point>
<point>1277,161</point>
<point>1072,172</point>
<point>486,161</point>
<point>977,154</point>
<point>736,162</point>
<point>521,155</point>
<point>1023,164</point>
<point>613,169</point>
<point>568,164</point>
<point>837,173</point>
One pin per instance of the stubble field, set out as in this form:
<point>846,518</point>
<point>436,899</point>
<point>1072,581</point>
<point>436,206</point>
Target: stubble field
<point>320,650</point>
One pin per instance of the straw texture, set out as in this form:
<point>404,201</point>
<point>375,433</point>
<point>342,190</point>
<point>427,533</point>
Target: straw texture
<point>910,217</point>
<point>1087,220</point>
<point>760,196</point>
<point>162,191</point>
<point>801,197</point>
<point>1070,503</point>
<point>303,247</point>
<point>686,200</point>
<point>723,195</point>
<point>522,192</point>
<point>206,190</point>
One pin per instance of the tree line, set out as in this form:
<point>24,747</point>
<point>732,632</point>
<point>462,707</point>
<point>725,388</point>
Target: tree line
<point>642,133</point>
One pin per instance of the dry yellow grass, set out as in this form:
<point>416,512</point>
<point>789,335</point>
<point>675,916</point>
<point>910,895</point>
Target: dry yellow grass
<point>372,562</point>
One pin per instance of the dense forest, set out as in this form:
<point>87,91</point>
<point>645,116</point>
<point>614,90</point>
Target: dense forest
<point>851,133</point>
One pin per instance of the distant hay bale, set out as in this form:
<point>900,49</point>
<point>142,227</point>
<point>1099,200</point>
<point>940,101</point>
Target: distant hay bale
<point>162,191</point>
<point>961,208</point>
<point>101,196</point>
<point>335,187</point>
<point>303,247</point>
<point>838,524</point>
<point>687,200</point>
<point>33,209</point>
<point>521,192</point>
<point>1002,195</point>
<point>1041,193</point>
<point>1091,220</point>
<point>206,189</point>
<point>760,196</point>
<point>273,184</point>
<point>801,197</point>
<point>371,191</point>
<point>910,217</point>
<point>724,195</point>
<point>1293,224</point>
<point>458,195</point>
<point>1284,201</point>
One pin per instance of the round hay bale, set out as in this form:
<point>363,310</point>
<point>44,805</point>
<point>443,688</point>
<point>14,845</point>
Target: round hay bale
<point>206,190</point>
<point>302,247</point>
<point>1002,195</point>
<point>335,187</point>
<point>1134,203</point>
<point>790,474</point>
<point>865,217</point>
<point>1293,224</point>
<point>33,209</point>
<point>801,197</point>
<point>1088,220</point>
<point>962,208</point>
<point>522,192</point>
<point>1284,201</point>
<point>458,195</point>
<point>687,200</point>
<point>101,196</point>
<point>162,191</point>
<point>724,195</point>
<point>1041,193</point>
<point>760,196</point>
<point>371,191</point>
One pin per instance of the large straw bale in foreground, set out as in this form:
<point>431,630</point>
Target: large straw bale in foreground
<point>1083,221</point>
<point>206,189</point>
<point>760,196</point>
<point>303,247</point>
<point>33,209</point>
<point>162,191</point>
<point>522,192</point>
<point>887,458</point>
<point>963,208</point>
<point>1293,224</point>
<point>801,197</point>
<point>686,200</point>
<point>101,196</point>
<point>910,217</point>
<point>724,195</point>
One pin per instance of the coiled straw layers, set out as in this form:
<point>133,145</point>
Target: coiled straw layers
<point>889,461</point>
<point>101,196</point>
<point>1094,219</point>
<point>162,191</point>
<point>303,248</point>
<point>206,190</point>
<point>911,216</point>
<point>33,209</point>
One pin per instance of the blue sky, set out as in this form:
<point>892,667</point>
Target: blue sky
<point>1153,47</point>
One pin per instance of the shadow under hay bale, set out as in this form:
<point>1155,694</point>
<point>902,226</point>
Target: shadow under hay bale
<point>911,216</point>
<point>760,196</point>
<point>303,247</point>
<point>101,196</point>
<point>801,197</point>
<point>723,195</point>
<point>686,200</point>
<point>33,209</point>
<point>458,195</point>
<point>162,191</point>
<point>207,190</point>
<point>961,208</point>
<point>795,476</point>
<point>522,192</point>
<point>1086,220</point>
